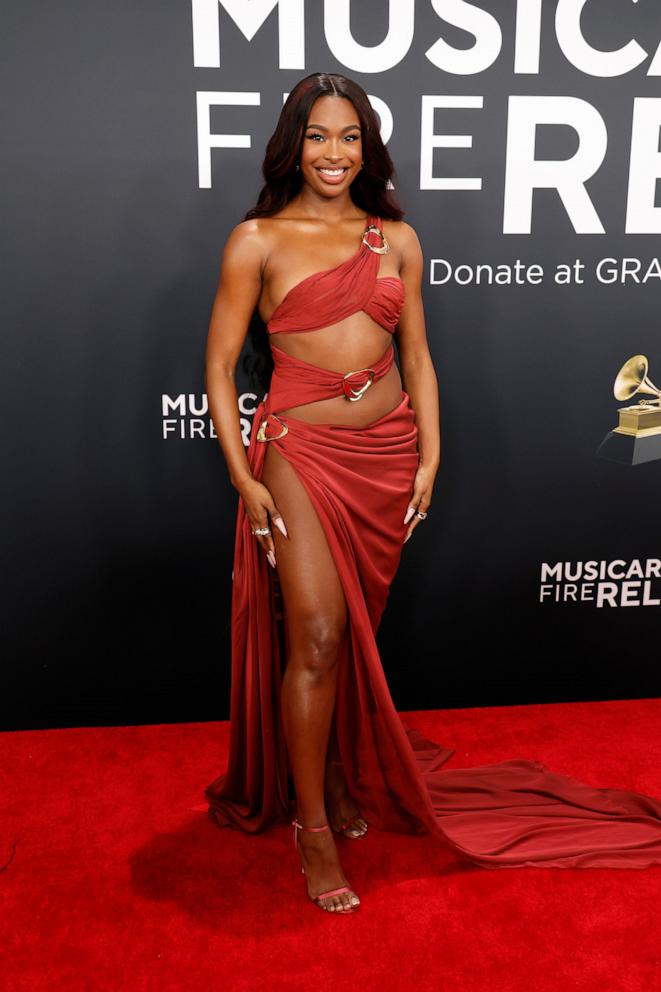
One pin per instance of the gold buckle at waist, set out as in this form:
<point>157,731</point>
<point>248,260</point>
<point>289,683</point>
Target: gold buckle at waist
<point>350,392</point>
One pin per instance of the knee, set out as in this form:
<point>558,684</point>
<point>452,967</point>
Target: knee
<point>317,645</point>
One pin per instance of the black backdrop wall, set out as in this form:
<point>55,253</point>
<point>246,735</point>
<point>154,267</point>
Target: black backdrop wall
<point>522,134</point>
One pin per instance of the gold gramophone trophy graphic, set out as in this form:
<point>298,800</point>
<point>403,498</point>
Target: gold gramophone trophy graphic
<point>637,437</point>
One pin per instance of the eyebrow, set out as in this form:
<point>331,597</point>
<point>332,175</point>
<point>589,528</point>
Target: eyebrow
<point>322,127</point>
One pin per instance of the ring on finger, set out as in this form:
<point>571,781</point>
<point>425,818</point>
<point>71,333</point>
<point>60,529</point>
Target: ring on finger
<point>262,531</point>
<point>421,513</point>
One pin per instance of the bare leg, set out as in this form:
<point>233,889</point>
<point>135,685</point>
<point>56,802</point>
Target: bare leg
<point>341,807</point>
<point>316,618</point>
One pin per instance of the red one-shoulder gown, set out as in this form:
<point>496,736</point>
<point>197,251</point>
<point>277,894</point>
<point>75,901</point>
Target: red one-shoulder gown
<point>511,814</point>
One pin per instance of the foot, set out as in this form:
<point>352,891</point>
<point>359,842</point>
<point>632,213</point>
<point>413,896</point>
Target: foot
<point>343,814</point>
<point>323,870</point>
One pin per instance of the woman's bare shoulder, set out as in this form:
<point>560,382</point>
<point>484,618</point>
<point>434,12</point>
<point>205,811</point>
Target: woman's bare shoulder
<point>403,237</point>
<point>258,237</point>
<point>248,234</point>
<point>249,244</point>
<point>400,232</point>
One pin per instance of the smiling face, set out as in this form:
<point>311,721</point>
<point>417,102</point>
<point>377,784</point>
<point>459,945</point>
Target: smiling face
<point>332,148</point>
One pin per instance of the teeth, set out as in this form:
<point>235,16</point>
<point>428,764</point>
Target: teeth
<point>332,172</point>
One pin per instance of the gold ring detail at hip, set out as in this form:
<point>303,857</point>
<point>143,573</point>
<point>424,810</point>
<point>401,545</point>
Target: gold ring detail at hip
<point>261,433</point>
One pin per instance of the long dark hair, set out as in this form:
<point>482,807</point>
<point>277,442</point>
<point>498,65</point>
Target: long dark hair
<point>371,190</point>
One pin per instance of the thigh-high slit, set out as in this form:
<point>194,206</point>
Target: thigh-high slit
<point>510,814</point>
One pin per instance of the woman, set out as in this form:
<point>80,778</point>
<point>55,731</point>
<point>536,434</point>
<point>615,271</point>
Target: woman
<point>338,475</point>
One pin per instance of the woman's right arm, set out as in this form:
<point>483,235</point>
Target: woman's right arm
<point>239,288</point>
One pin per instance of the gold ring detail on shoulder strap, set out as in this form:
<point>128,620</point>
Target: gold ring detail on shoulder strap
<point>385,247</point>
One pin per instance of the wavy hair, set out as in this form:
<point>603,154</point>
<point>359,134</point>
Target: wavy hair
<point>371,190</point>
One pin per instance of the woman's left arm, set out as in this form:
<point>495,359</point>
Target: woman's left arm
<point>418,375</point>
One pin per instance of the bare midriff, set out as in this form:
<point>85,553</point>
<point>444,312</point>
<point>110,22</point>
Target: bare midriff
<point>356,342</point>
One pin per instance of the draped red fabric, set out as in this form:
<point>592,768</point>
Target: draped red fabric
<point>359,480</point>
<point>294,377</point>
<point>329,296</point>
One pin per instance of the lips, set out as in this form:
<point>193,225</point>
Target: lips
<point>333,178</point>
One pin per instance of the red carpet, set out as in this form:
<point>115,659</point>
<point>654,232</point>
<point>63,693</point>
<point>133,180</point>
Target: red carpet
<point>109,880</point>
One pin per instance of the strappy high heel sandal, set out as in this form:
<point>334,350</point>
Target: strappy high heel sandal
<point>330,892</point>
<point>351,825</point>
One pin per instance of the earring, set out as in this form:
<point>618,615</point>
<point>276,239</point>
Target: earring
<point>297,166</point>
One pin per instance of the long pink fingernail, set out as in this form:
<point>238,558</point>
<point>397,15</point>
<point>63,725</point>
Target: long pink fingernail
<point>407,537</point>
<point>280,524</point>
<point>409,514</point>
<point>271,557</point>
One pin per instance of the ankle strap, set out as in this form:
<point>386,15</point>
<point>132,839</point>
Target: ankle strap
<point>301,827</point>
